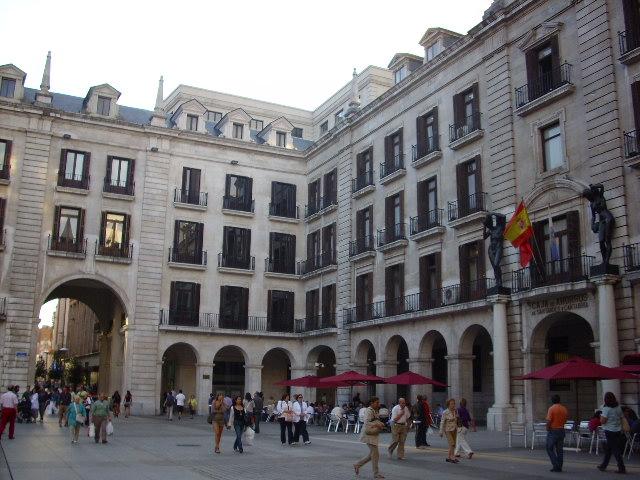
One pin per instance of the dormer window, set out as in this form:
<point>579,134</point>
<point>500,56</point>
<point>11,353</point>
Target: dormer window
<point>281,139</point>
<point>296,132</point>
<point>324,127</point>
<point>7,87</point>
<point>192,123</point>
<point>401,74</point>
<point>256,125</point>
<point>104,106</point>
<point>214,117</point>
<point>238,130</point>
<point>432,51</point>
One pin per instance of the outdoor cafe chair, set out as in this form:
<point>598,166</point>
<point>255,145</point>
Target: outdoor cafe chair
<point>518,429</point>
<point>569,430</point>
<point>350,422</point>
<point>582,433</point>
<point>597,437</point>
<point>360,422</point>
<point>632,439</point>
<point>539,431</point>
<point>334,421</point>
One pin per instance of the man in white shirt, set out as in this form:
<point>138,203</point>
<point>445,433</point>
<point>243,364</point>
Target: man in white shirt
<point>9,403</point>
<point>180,398</point>
<point>300,421</point>
<point>400,415</point>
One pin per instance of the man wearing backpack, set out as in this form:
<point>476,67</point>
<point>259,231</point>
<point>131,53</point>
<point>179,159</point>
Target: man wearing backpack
<point>169,403</point>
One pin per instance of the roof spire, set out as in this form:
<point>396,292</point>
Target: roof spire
<point>354,103</point>
<point>43,96</point>
<point>159,118</point>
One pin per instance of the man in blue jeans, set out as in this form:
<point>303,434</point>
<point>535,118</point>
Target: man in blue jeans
<point>556,418</point>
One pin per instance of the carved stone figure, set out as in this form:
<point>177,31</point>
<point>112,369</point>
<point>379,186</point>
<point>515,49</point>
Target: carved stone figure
<point>602,221</point>
<point>494,224</point>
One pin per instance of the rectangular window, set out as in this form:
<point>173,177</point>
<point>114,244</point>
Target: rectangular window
<point>543,69</point>
<point>432,51</point>
<point>364,296</point>
<point>184,303</point>
<point>469,180</point>
<point>282,253</point>
<point>394,289</point>
<point>119,175</point>
<point>192,123</point>
<point>74,169</point>
<point>214,117</point>
<point>324,127</point>
<point>427,204</point>
<point>393,154</point>
<point>238,193</point>
<point>330,188</point>
<point>7,87</point>
<point>236,248</point>
<point>631,41</point>
<point>5,157</point>
<point>256,124</point>
<point>296,132</point>
<point>364,228</point>
<point>365,162</point>
<point>430,281</point>
<point>313,196</point>
<point>190,192</point>
<point>328,244</point>
<point>68,229</point>
<point>187,242</point>
<point>234,307</point>
<point>312,309</point>
<point>472,271</point>
<point>394,217</point>
<point>280,311</point>
<point>328,306</point>
<point>400,74</point>
<point>337,117</point>
<point>238,131</point>
<point>552,147</point>
<point>281,139</point>
<point>313,251</point>
<point>466,113</point>
<point>114,235</point>
<point>427,130</point>
<point>283,200</point>
<point>104,106</point>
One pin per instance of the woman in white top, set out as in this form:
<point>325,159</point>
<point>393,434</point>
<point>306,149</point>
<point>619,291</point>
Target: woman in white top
<point>285,417</point>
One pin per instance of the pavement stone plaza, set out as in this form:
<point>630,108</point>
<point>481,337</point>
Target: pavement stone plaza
<point>152,448</point>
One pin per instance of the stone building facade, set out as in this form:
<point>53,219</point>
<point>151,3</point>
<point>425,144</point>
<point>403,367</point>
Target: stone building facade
<point>231,243</point>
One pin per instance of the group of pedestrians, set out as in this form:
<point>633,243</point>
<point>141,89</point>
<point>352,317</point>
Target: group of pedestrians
<point>240,413</point>
<point>179,403</point>
<point>293,417</point>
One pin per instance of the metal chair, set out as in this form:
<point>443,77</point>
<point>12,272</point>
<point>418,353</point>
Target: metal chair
<point>582,433</point>
<point>350,422</point>
<point>334,420</point>
<point>631,441</point>
<point>517,429</point>
<point>360,421</point>
<point>539,431</point>
<point>597,437</point>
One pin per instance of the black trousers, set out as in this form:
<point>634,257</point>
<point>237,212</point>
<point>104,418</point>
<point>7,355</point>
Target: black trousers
<point>421,434</point>
<point>301,429</point>
<point>285,426</point>
<point>614,446</point>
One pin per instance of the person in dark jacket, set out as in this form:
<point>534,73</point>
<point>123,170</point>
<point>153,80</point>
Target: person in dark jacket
<point>258,405</point>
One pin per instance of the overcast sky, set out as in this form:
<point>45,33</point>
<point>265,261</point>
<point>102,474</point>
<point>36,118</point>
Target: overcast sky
<point>292,52</point>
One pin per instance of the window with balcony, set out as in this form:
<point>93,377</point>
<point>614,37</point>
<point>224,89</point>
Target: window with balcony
<point>328,305</point>
<point>7,87</point>
<point>313,197</point>
<point>283,200</point>
<point>114,235</point>
<point>428,212</point>
<point>238,193</point>
<point>364,296</point>
<point>469,185</point>
<point>394,228</point>
<point>234,307</point>
<point>214,117</point>
<point>328,244</point>
<point>119,178</point>
<point>430,280</point>
<point>190,191</point>
<point>280,308</point>
<point>256,124</point>
<point>364,232</point>
<point>312,309</point>
<point>68,230</point>
<point>192,123</point>
<point>238,131</point>
<point>184,304</point>
<point>104,106</point>
<point>466,113</point>
<point>630,38</point>
<point>324,127</point>
<point>393,154</point>
<point>281,139</point>
<point>74,169</point>
<point>394,289</point>
<point>187,243</point>
<point>364,170</point>
<point>631,147</point>
<point>5,158</point>
<point>314,260</point>
<point>330,188</point>
<point>236,248</point>
<point>296,132</point>
<point>427,133</point>
<point>282,253</point>
<point>552,156</point>
<point>472,271</point>
<point>400,74</point>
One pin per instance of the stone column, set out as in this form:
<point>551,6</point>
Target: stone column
<point>535,398</point>
<point>159,397</point>
<point>502,412</point>
<point>252,378</point>
<point>460,368</point>
<point>387,393</point>
<point>204,385</point>
<point>421,366</point>
<point>608,328</point>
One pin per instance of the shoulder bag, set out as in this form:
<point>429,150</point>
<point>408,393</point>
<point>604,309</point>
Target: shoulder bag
<point>80,418</point>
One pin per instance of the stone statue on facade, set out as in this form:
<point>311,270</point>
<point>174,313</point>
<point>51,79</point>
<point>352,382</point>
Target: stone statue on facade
<point>494,225</point>
<point>602,221</point>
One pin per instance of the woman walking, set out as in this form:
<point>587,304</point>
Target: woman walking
<point>218,409</point>
<point>249,407</point>
<point>100,416</point>
<point>611,421</point>
<point>128,398</point>
<point>449,427</point>
<point>370,433</point>
<point>461,437</point>
<point>193,405</point>
<point>237,419</point>
<point>285,418</point>
<point>76,416</point>
<point>116,400</point>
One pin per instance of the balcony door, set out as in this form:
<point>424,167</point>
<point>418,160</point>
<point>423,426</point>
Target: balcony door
<point>68,229</point>
<point>313,247</point>
<point>427,203</point>
<point>314,197</point>
<point>236,247</point>
<point>330,188</point>
<point>557,253</point>
<point>472,270</point>
<point>427,130</point>
<point>114,233</point>
<point>238,192</point>
<point>328,305</point>
<point>394,216</point>
<point>364,296</point>
<point>469,180</point>
<point>430,280</point>
<point>364,228</point>
<point>365,163</point>
<point>191,185</point>
<point>280,311</point>
<point>234,307</point>
<point>184,303</point>
<point>543,68</point>
<point>283,199</point>
<point>328,244</point>
<point>120,173</point>
<point>312,309</point>
<point>282,252</point>
<point>187,242</point>
<point>394,289</point>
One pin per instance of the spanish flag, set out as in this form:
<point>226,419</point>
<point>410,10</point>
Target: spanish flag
<point>519,232</point>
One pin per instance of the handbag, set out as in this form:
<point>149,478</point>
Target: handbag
<point>624,424</point>
<point>80,418</point>
<point>210,418</point>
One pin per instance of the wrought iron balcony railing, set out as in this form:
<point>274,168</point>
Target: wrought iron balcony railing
<point>471,204</point>
<point>631,144</point>
<point>190,197</point>
<point>73,181</point>
<point>392,234</point>
<point>240,204</point>
<point>214,321</point>
<point>124,250</point>
<point>325,259</point>
<point>243,262</point>
<point>466,126</point>
<point>362,181</point>
<point>426,221</point>
<point>67,245</point>
<point>316,322</point>
<point>320,204</point>
<point>545,83</point>
<point>284,210</point>
<point>555,272</point>
<point>628,40</point>
<point>431,144</point>
<point>361,245</point>
<point>392,165</point>
<point>631,256</point>
<point>280,265</point>
<point>192,258</point>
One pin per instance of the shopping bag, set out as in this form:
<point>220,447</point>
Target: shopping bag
<point>247,436</point>
<point>92,431</point>
<point>109,428</point>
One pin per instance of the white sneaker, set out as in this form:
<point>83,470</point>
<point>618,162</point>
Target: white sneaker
<point>307,442</point>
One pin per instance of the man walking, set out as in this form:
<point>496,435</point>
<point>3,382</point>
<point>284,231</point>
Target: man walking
<point>556,418</point>
<point>180,398</point>
<point>169,402</point>
<point>370,433</point>
<point>400,416</point>
<point>300,421</point>
<point>65,401</point>
<point>417,414</point>
<point>258,405</point>
<point>9,404</point>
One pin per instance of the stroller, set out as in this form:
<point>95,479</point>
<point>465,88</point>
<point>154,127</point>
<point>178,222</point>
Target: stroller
<point>24,412</point>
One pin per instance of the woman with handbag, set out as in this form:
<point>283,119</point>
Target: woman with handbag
<point>76,416</point>
<point>370,433</point>
<point>237,418</point>
<point>218,409</point>
<point>614,425</point>
<point>449,427</point>
<point>285,418</point>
